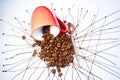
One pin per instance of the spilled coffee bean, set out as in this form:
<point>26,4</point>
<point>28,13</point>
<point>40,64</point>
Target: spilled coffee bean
<point>57,52</point>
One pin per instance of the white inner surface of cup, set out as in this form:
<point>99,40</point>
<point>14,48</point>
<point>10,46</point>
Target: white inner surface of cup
<point>37,34</point>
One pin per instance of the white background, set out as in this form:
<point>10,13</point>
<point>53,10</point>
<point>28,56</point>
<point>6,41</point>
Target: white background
<point>16,8</point>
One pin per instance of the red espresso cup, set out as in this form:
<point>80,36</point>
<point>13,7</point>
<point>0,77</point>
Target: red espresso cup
<point>43,17</point>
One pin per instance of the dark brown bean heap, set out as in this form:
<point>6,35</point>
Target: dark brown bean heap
<point>57,52</point>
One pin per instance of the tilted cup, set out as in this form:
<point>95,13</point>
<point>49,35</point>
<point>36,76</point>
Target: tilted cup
<point>43,17</point>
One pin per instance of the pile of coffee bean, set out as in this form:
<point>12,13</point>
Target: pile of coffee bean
<point>56,52</point>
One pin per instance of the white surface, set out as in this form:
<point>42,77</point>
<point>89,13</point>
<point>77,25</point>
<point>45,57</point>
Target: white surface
<point>14,8</point>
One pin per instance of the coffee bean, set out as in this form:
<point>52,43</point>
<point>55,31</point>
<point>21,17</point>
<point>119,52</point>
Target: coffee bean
<point>47,59</point>
<point>60,74</point>
<point>53,71</point>
<point>51,41</point>
<point>24,37</point>
<point>48,37</point>
<point>51,36</point>
<point>34,44</point>
<point>59,44</point>
<point>56,51</point>
<point>58,69</point>
<point>54,55</point>
<point>34,53</point>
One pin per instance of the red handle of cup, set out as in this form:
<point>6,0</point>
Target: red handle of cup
<point>63,28</point>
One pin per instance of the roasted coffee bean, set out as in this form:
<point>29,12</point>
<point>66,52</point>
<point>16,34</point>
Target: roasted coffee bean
<point>54,55</point>
<point>48,37</point>
<point>51,36</point>
<point>53,71</point>
<point>34,44</point>
<point>58,69</point>
<point>56,51</point>
<point>51,41</point>
<point>34,53</point>
<point>60,59</point>
<point>47,59</point>
<point>60,74</point>
<point>24,37</point>
<point>49,65</point>
<point>42,56</point>
<point>59,64</point>
<point>59,44</point>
